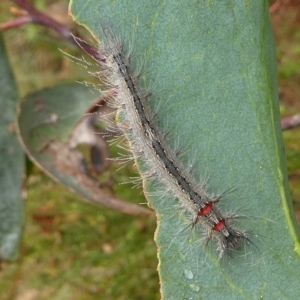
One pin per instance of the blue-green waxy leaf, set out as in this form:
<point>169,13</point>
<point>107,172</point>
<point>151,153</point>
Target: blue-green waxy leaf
<point>11,165</point>
<point>213,68</point>
<point>51,124</point>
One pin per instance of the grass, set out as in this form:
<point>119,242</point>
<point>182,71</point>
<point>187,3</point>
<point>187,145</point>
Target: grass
<point>75,250</point>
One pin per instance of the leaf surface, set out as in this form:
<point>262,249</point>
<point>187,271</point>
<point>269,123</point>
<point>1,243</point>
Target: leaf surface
<point>52,123</point>
<point>12,164</point>
<point>213,68</point>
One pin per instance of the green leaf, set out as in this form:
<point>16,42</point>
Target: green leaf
<point>12,165</point>
<point>51,125</point>
<point>213,68</point>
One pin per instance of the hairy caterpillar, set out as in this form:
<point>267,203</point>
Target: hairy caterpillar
<point>136,120</point>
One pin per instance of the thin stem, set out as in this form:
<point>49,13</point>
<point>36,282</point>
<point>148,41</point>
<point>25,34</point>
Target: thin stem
<point>290,122</point>
<point>15,23</point>
<point>38,17</point>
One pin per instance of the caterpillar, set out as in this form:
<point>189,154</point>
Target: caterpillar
<point>148,144</point>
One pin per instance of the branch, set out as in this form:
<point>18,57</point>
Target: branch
<point>37,17</point>
<point>290,122</point>
<point>15,23</point>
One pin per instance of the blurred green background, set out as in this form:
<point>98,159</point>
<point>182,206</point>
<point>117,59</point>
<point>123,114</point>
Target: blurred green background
<point>75,250</point>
